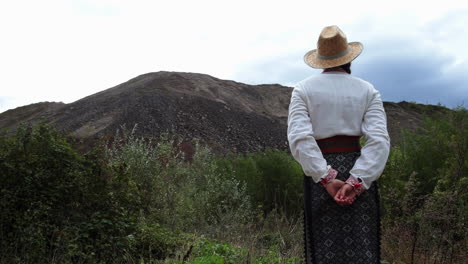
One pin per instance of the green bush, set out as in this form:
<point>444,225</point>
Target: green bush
<point>186,196</point>
<point>211,252</point>
<point>56,204</point>
<point>274,179</point>
<point>423,191</point>
<point>59,206</point>
<point>134,200</point>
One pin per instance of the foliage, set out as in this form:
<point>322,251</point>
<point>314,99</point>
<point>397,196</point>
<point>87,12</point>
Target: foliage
<point>175,193</point>
<point>273,178</point>
<point>224,252</point>
<point>273,257</point>
<point>56,203</point>
<point>424,188</point>
<point>135,200</point>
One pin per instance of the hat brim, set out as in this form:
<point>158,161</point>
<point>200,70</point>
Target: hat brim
<point>311,58</point>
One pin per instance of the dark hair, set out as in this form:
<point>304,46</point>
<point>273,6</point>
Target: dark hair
<point>346,67</point>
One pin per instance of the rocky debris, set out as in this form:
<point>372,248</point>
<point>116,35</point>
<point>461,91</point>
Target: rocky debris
<point>10,119</point>
<point>228,115</point>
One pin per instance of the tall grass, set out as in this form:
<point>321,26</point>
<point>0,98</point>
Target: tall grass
<point>135,200</point>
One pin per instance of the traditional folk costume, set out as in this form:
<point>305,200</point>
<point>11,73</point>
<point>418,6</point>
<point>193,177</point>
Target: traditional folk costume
<point>328,114</point>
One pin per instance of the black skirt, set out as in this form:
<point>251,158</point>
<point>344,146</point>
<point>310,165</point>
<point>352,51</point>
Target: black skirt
<point>340,234</point>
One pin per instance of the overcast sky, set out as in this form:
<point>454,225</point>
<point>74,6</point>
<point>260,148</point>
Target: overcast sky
<point>63,50</point>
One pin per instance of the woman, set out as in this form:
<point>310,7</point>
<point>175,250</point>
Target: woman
<point>328,114</point>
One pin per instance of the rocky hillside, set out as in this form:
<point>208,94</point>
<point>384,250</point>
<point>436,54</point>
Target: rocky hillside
<point>227,115</point>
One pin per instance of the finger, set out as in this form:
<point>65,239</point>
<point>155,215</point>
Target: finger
<point>343,198</point>
<point>338,201</point>
<point>340,193</point>
<point>343,202</point>
<point>352,198</point>
<point>350,194</point>
<point>337,195</point>
<point>349,201</point>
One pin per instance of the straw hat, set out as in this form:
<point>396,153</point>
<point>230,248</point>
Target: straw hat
<point>332,50</point>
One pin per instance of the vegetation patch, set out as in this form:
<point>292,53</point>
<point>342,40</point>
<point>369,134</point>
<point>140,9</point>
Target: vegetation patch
<point>135,200</point>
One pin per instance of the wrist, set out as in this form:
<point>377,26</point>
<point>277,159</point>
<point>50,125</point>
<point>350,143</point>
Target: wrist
<point>329,177</point>
<point>358,187</point>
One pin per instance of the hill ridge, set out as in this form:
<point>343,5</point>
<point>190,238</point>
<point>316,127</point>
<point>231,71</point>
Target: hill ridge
<point>226,114</point>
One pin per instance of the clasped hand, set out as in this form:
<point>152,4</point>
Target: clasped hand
<point>341,192</point>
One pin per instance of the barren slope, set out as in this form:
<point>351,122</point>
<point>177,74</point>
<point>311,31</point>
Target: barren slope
<point>226,114</point>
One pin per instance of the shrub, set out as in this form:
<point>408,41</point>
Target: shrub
<point>424,189</point>
<point>274,179</point>
<point>188,196</point>
<point>56,204</point>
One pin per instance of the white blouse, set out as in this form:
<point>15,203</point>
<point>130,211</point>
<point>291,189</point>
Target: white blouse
<point>336,103</point>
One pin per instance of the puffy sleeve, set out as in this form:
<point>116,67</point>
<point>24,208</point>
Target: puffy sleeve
<point>301,139</point>
<point>370,165</point>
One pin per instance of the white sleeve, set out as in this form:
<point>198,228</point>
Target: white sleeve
<point>301,139</point>
<point>370,165</point>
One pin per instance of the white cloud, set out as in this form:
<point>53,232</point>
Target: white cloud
<point>64,50</point>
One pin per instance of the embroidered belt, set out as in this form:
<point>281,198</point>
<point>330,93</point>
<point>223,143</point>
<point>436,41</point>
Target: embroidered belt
<point>339,144</point>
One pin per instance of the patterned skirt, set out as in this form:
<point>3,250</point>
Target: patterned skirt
<point>341,234</point>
